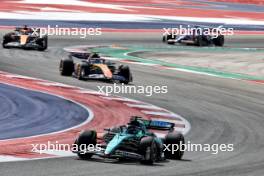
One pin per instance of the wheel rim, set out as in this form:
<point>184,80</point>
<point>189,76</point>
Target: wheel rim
<point>151,153</point>
<point>82,73</point>
<point>154,152</point>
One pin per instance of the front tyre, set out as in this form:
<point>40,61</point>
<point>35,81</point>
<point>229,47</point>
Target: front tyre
<point>171,39</point>
<point>85,139</point>
<point>81,72</point>
<point>164,38</point>
<point>201,41</point>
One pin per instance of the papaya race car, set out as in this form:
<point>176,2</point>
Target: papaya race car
<point>133,141</point>
<point>89,65</point>
<point>26,38</point>
<point>195,38</point>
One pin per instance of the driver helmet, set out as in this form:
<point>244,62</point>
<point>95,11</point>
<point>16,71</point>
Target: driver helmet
<point>135,126</point>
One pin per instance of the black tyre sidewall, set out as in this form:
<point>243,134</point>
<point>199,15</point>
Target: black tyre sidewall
<point>43,43</point>
<point>219,41</point>
<point>86,138</point>
<point>125,72</point>
<point>148,143</point>
<point>66,67</point>
<point>174,138</point>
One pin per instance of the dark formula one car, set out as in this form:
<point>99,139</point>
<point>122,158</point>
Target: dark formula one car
<point>88,65</point>
<point>25,38</point>
<point>133,141</point>
<point>194,39</point>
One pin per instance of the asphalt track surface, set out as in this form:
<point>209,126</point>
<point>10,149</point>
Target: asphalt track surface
<point>29,113</point>
<point>219,110</point>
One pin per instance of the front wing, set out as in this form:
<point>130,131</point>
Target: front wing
<point>116,154</point>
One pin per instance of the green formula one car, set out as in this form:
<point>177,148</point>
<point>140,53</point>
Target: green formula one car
<point>133,141</point>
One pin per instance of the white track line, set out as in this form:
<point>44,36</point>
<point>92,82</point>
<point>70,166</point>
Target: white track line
<point>144,106</point>
<point>5,158</point>
<point>92,92</point>
<point>60,153</point>
<point>18,76</point>
<point>165,114</point>
<point>55,84</point>
<point>119,99</point>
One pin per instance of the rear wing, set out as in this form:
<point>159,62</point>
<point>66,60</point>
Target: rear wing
<point>80,55</point>
<point>158,125</point>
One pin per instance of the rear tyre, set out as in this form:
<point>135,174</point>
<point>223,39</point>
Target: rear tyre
<point>148,149</point>
<point>174,138</point>
<point>85,139</point>
<point>4,44</point>
<point>6,39</point>
<point>66,67</point>
<point>124,71</point>
<point>219,41</point>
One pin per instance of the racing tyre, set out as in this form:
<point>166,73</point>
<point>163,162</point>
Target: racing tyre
<point>171,37</point>
<point>219,41</point>
<point>125,72</point>
<point>66,67</point>
<point>164,38</point>
<point>85,139</point>
<point>174,138</point>
<point>43,43</point>
<point>81,72</point>
<point>4,43</point>
<point>148,149</point>
<point>200,41</point>
<point>6,40</point>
